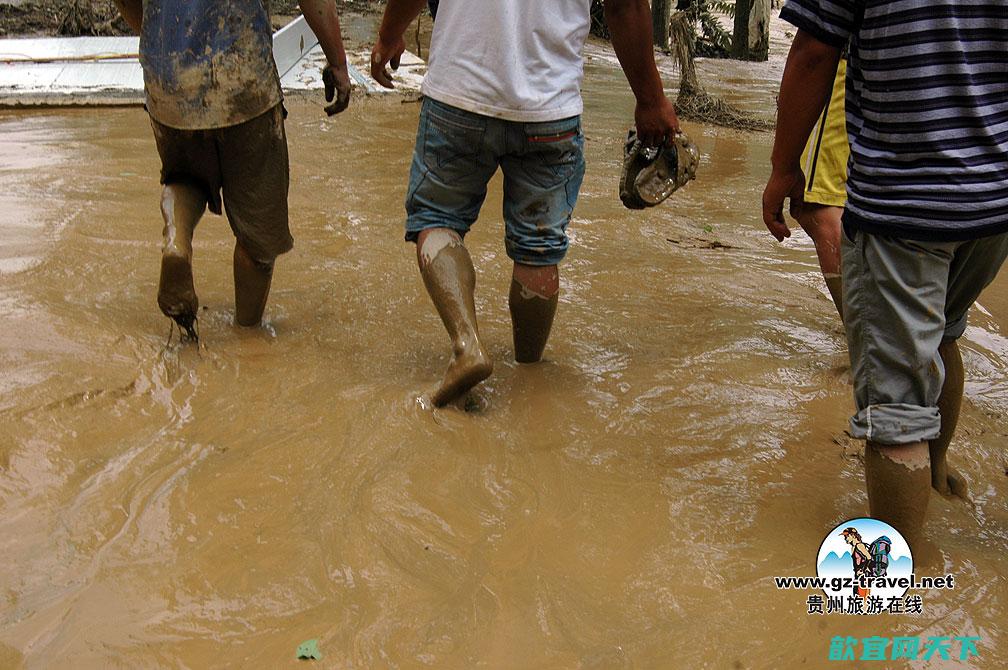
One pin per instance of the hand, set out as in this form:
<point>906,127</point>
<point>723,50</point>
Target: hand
<point>782,184</point>
<point>656,123</point>
<point>337,83</point>
<point>386,53</point>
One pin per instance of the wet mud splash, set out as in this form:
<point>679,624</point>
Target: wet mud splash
<point>622,504</point>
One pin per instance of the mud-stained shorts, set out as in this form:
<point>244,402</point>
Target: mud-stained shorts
<point>249,164</point>
<point>901,299</point>
<point>456,154</point>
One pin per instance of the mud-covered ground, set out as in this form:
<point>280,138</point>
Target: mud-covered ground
<point>50,18</point>
<point>624,504</point>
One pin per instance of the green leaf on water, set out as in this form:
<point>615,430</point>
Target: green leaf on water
<point>309,650</point>
<point>708,228</point>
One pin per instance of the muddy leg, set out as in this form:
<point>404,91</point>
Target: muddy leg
<point>823,225</point>
<point>533,303</point>
<point>899,484</point>
<point>835,285</point>
<point>448,274</point>
<point>182,206</point>
<point>252,285</point>
<point>945,479</point>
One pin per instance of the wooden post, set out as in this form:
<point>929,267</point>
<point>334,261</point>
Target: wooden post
<point>661,13</point>
<point>740,35</point>
<point>751,37</point>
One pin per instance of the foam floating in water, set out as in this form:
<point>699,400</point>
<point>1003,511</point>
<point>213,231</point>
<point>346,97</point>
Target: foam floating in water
<point>308,650</point>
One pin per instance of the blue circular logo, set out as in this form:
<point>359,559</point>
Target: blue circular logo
<point>865,557</point>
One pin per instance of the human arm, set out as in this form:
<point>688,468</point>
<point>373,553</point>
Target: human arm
<point>805,90</point>
<point>389,45</point>
<point>629,24</point>
<point>132,13</point>
<point>324,21</point>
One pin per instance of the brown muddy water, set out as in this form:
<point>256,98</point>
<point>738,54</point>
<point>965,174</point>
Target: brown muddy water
<point>623,504</point>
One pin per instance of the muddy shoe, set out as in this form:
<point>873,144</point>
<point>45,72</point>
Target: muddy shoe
<point>650,175</point>
<point>635,158</point>
<point>176,293</point>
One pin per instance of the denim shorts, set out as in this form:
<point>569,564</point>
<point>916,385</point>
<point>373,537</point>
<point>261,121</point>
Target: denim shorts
<point>456,154</point>
<point>901,299</point>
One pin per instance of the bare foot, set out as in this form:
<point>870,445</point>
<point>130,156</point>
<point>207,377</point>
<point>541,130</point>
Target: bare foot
<point>950,483</point>
<point>176,293</point>
<point>467,368</point>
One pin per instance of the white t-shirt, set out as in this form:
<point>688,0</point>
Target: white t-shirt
<point>518,60</point>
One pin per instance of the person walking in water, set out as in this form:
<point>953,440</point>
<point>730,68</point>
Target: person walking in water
<point>213,94</point>
<point>925,227</point>
<point>503,90</point>
<point>824,164</point>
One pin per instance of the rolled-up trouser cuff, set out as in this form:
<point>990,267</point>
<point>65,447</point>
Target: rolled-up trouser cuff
<point>955,329</point>
<point>896,424</point>
<point>418,223</point>
<point>550,254</point>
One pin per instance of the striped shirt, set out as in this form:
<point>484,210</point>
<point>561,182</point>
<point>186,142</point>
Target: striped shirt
<point>927,112</point>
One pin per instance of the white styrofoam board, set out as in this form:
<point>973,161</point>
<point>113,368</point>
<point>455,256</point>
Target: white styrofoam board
<point>307,73</point>
<point>93,70</point>
<point>291,43</point>
<point>67,48</point>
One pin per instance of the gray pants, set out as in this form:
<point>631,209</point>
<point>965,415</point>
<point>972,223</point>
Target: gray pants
<point>901,299</point>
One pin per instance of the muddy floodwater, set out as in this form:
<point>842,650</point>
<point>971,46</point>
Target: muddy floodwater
<point>625,503</point>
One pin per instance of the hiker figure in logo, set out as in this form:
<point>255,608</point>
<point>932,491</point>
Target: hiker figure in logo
<point>869,560</point>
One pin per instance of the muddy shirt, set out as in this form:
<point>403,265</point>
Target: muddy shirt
<point>927,112</point>
<point>206,63</point>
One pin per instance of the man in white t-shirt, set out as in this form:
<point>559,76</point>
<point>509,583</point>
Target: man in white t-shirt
<point>503,89</point>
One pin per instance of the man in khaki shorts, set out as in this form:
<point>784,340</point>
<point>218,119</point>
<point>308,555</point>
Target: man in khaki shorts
<point>926,220</point>
<point>213,94</point>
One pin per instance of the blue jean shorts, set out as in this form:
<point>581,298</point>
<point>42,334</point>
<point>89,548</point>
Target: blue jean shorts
<point>456,154</point>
